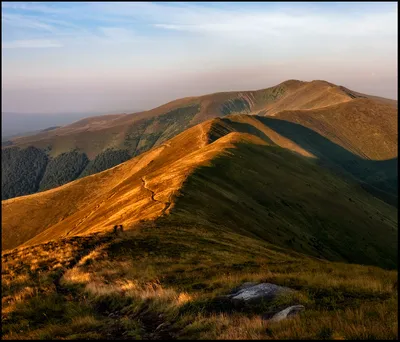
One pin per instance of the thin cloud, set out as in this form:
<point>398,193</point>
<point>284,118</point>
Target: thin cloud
<point>159,46</point>
<point>286,21</point>
<point>117,34</point>
<point>25,22</point>
<point>33,7</point>
<point>288,24</point>
<point>31,43</point>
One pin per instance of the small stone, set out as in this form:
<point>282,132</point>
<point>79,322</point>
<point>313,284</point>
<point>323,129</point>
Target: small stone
<point>287,313</point>
<point>160,326</point>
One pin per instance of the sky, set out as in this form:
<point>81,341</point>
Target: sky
<point>62,57</point>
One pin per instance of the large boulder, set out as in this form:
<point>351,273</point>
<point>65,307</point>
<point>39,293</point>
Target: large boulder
<point>249,293</point>
<point>242,287</point>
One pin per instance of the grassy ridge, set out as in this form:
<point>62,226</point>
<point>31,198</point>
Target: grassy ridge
<point>234,172</point>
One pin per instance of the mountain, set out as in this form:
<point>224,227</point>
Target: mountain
<point>182,113</point>
<point>236,172</point>
<point>302,197</point>
<point>15,125</point>
<point>99,143</point>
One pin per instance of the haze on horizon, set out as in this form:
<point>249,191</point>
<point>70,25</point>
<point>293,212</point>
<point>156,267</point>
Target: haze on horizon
<point>82,57</point>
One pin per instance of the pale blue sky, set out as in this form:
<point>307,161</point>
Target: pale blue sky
<point>67,56</point>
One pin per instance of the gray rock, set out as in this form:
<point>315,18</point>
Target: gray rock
<point>242,287</point>
<point>256,293</point>
<point>287,313</point>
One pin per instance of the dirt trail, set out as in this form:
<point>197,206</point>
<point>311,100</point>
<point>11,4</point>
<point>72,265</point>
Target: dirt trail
<point>203,138</point>
<point>166,204</point>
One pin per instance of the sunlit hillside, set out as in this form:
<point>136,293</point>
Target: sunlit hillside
<point>236,172</point>
<point>58,156</point>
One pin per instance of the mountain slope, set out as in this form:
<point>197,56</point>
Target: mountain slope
<point>291,94</point>
<point>362,126</point>
<point>234,172</point>
<point>364,134</point>
<point>89,199</point>
<point>111,139</point>
<point>238,199</point>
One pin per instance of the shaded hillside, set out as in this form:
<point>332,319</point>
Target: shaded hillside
<point>269,193</point>
<point>22,171</point>
<point>28,170</point>
<point>236,173</point>
<point>104,161</point>
<point>128,135</point>
<point>333,144</point>
<point>63,169</point>
<point>380,176</point>
<point>364,127</point>
<point>361,138</point>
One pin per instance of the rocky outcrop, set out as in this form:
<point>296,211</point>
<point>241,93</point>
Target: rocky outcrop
<point>249,293</point>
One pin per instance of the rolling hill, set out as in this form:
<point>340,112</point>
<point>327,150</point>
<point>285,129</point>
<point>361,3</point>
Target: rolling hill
<point>106,141</point>
<point>236,172</point>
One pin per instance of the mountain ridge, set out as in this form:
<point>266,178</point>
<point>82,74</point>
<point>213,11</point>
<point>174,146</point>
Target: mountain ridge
<point>303,198</point>
<point>105,141</point>
<point>149,187</point>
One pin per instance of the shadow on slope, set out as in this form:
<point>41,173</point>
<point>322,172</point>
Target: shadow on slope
<point>377,177</point>
<point>224,126</point>
<point>271,193</point>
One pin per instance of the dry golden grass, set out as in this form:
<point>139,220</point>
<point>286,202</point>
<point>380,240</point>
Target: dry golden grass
<point>140,189</point>
<point>226,327</point>
<point>311,95</point>
<point>145,187</point>
<point>164,281</point>
<point>364,127</point>
<point>351,323</point>
<point>93,135</point>
<point>101,277</point>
